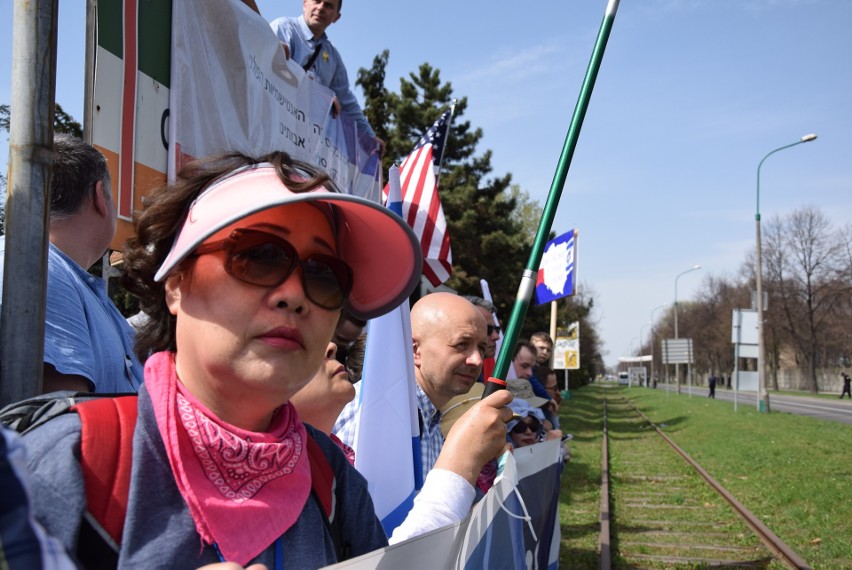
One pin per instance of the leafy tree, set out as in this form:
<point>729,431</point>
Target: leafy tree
<point>65,123</point>
<point>708,322</point>
<point>478,210</point>
<point>4,117</point>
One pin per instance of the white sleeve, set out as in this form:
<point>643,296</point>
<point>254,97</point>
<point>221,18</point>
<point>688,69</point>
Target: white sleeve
<point>445,499</point>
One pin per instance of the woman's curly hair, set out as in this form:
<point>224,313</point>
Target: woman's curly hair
<point>160,221</point>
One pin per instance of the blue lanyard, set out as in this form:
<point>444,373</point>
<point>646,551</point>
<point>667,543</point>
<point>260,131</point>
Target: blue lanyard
<point>279,553</point>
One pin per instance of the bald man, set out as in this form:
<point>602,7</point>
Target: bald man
<point>449,346</point>
<point>448,339</point>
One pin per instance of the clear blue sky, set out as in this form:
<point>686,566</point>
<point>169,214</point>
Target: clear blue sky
<point>691,95</point>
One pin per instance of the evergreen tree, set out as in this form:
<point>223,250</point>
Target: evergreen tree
<point>491,223</point>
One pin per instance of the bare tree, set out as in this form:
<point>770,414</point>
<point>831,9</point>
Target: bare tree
<point>716,300</point>
<point>806,279</point>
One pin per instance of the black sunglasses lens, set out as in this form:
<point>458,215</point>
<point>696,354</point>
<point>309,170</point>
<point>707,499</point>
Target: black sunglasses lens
<point>267,263</point>
<point>267,260</point>
<point>327,281</point>
<point>491,329</point>
<point>521,427</point>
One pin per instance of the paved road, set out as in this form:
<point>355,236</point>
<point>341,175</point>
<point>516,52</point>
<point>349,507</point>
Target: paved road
<point>827,409</point>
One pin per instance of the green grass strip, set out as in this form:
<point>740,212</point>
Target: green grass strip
<point>793,472</point>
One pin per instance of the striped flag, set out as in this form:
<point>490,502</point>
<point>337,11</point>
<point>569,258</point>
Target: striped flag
<point>421,206</point>
<point>387,432</point>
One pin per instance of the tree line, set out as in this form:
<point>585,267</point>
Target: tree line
<point>491,221</point>
<point>807,280</point>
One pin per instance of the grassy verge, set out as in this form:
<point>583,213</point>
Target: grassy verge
<point>793,472</point>
<point>580,490</point>
<point>662,507</point>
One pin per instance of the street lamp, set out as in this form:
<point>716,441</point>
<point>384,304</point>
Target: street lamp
<point>677,366</point>
<point>654,310</point>
<point>642,330</point>
<point>763,404</point>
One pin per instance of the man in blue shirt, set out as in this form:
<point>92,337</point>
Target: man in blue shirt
<point>305,41</point>
<point>88,345</point>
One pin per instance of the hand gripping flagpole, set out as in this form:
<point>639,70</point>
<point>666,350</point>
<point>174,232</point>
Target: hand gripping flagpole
<point>528,280</point>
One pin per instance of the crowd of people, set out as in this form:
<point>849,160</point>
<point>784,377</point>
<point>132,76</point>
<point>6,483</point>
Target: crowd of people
<point>245,270</point>
<point>256,282</point>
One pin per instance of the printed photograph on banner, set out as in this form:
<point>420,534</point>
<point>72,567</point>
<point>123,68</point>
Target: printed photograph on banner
<point>153,110</point>
<point>557,273</point>
<point>277,108</point>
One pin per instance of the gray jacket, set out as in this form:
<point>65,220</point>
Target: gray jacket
<point>159,531</point>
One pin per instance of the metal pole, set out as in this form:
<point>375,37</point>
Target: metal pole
<point>27,205</point>
<point>677,366</point>
<point>528,279</point>
<point>641,329</point>
<point>763,400</point>
<point>89,69</point>
<point>653,338</point>
<point>739,326</point>
<point>553,311</point>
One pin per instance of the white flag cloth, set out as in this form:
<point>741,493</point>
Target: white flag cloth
<point>387,434</point>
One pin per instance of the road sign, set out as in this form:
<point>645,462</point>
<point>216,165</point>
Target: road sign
<point>677,351</point>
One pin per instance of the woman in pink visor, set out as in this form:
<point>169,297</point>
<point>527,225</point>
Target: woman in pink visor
<point>242,267</point>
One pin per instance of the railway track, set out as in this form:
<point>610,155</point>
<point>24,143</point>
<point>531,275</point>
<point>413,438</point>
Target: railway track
<point>660,509</point>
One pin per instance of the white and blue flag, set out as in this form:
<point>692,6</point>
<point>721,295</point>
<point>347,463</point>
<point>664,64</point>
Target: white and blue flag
<point>557,274</point>
<point>387,436</point>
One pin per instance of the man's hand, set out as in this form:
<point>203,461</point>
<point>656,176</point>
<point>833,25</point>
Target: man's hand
<point>477,437</point>
<point>553,434</point>
<point>381,145</point>
<point>335,107</point>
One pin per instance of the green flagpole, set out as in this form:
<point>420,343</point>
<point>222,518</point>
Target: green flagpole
<point>527,286</point>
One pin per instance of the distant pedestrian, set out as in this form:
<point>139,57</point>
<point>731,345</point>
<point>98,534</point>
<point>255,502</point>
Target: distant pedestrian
<point>712,382</point>
<point>847,389</point>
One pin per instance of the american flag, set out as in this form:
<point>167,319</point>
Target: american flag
<point>421,206</point>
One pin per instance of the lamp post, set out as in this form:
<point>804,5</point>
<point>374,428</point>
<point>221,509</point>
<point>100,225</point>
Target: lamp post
<point>677,366</point>
<point>642,330</point>
<point>630,356</point>
<point>654,310</point>
<point>763,400</point>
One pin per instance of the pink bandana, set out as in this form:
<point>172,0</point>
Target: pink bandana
<point>244,489</point>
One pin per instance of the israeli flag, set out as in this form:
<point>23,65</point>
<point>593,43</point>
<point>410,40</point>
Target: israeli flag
<point>387,434</point>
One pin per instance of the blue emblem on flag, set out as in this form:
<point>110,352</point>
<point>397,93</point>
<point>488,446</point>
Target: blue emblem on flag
<point>557,275</point>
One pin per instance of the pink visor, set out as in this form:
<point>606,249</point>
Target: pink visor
<point>381,249</point>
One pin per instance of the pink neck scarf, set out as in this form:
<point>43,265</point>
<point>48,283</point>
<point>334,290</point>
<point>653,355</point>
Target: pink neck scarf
<point>244,489</point>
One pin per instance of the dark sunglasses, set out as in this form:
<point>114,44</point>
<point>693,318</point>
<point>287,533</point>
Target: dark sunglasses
<point>491,329</point>
<point>522,426</point>
<point>267,260</point>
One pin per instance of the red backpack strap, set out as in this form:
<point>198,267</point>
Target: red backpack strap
<point>106,442</point>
